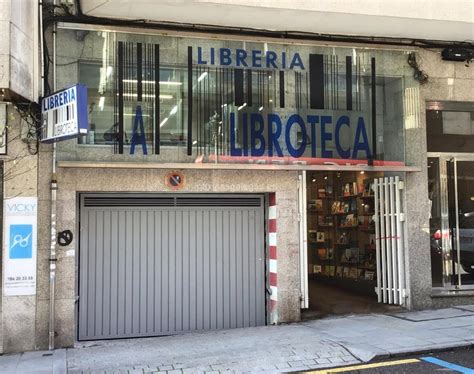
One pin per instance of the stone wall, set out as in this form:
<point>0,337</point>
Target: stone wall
<point>448,81</point>
<point>19,316</point>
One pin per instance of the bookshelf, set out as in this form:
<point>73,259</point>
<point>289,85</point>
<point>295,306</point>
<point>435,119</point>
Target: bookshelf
<point>341,231</point>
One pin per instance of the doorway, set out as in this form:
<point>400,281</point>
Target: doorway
<point>342,244</point>
<point>451,192</point>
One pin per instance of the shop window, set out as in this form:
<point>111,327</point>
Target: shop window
<point>103,101</point>
<point>251,101</point>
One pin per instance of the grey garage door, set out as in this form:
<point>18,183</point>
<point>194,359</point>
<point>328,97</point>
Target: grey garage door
<point>156,265</point>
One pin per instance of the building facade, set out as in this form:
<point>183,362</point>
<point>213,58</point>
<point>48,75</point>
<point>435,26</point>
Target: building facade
<point>238,178</point>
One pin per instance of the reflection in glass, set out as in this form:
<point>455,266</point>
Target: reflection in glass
<point>465,213</point>
<point>436,242</point>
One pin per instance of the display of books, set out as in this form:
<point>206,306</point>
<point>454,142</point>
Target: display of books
<point>341,235</point>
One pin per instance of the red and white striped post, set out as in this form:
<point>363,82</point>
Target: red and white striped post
<point>272,241</point>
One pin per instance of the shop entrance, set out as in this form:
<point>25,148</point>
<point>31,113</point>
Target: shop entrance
<point>451,194</point>
<point>346,271</point>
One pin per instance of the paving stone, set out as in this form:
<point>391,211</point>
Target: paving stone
<point>283,366</point>
<point>322,361</point>
<point>165,368</point>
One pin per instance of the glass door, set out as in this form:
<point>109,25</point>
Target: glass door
<point>462,217</point>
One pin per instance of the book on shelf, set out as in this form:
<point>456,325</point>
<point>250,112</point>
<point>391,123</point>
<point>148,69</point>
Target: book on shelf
<point>312,235</point>
<point>339,271</point>
<point>349,221</point>
<point>321,237</point>
<point>369,275</point>
<point>343,238</point>
<point>319,204</point>
<point>368,188</point>
<point>330,253</point>
<point>350,255</point>
<point>312,205</point>
<point>353,273</point>
<point>331,270</point>
<point>345,272</point>
<point>317,269</point>
<point>322,192</point>
<point>322,253</point>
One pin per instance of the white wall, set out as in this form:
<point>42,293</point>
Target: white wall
<point>451,20</point>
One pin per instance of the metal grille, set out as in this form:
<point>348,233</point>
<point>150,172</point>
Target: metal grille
<point>144,201</point>
<point>389,240</point>
<point>162,270</point>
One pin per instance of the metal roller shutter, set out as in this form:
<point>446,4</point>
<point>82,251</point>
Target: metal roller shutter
<point>157,265</point>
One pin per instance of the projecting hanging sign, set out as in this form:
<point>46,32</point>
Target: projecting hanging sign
<point>20,250</point>
<point>64,114</point>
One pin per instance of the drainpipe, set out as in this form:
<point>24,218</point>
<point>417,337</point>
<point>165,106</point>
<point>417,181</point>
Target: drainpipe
<point>54,187</point>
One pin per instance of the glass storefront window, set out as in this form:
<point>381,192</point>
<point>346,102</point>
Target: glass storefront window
<point>247,101</point>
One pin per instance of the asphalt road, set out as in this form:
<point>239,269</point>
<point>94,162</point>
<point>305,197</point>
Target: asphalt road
<point>457,361</point>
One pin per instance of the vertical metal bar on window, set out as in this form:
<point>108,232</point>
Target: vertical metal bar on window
<point>157,98</point>
<point>207,106</point>
<point>349,82</point>
<point>316,81</point>
<point>139,73</point>
<point>120,97</point>
<point>190,102</point>
<point>337,82</point>
<point>249,87</point>
<point>239,87</point>
<point>374,111</point>
<point>282,88</point>
<point>198,110</point>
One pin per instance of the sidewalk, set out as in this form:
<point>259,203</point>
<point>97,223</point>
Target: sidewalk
<point>299,346</point>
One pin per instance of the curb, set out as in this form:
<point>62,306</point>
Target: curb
<point>452,347</point>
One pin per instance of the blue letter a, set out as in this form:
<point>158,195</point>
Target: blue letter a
<point>138,138</point>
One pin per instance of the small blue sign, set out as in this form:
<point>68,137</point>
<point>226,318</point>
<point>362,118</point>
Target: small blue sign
<point>21,241</point>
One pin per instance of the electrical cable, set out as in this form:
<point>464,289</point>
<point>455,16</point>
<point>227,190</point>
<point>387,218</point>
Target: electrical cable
<point>418,74</point>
